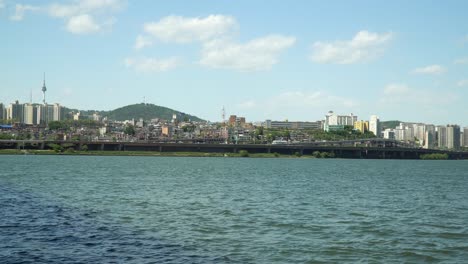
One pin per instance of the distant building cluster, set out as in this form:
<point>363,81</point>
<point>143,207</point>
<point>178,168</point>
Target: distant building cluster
<point>35,118</point>
<point>236,120</point>
<point>32,114</point>
<point>429,136</point>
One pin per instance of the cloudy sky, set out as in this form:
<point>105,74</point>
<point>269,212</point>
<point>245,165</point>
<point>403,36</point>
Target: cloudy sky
<point>294,60</point>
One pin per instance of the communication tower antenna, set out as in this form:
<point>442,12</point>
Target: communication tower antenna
<point>223,113</point>
<point>44,89</point>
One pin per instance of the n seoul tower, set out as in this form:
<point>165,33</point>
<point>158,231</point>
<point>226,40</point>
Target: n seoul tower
<point>44,89</point>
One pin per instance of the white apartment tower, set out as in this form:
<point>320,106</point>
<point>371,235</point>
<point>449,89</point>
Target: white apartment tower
<point>28,114</point>
<point>57,115</point>
<point>333,119</point>
<point>374,125</point>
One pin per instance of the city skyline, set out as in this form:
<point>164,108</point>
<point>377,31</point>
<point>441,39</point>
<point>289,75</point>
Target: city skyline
<point>400,61</point>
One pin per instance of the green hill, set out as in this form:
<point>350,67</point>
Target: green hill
<point>390,124</point>
<point>137,111</point>
<point>147,112</point>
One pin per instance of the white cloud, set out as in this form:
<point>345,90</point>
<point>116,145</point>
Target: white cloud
<point>20,10</point>
<point>62,11</point>
<point>396,89</point>
<point>80,16</point>
<point>179,29</point>
<point>462,83</point>
<point>298,105</point>
<point>461,61</point>
<point>84,7</point>
<point>398,95</point>
<point>148,65</point>
<point>311,99</point>
<point>431,69</point>
<point>364,46</point>
<point>465,39</point>
<point>142,42</point>
<point>67,91</point>
<point>2,4</point>
<point>216,34</point>
<point>249,104</point>
<point>257,54</point>
<point>82,24</point>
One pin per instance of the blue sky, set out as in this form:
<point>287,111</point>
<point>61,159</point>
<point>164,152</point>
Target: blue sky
<point>294,60</point>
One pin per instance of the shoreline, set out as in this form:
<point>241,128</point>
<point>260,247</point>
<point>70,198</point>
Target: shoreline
<point>147,154</point>
<point>176,154</point>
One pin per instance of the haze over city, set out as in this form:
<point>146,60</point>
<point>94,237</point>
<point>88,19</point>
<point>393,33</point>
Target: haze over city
<point>263,60</point>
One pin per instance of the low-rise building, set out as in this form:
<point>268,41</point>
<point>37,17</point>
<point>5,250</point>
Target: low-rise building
<point>292,124</point>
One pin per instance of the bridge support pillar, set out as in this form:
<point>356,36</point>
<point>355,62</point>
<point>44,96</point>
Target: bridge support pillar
<point>160,148</point>
<point>268,150</point>
<point>102,147</point>
<point>42,145</point>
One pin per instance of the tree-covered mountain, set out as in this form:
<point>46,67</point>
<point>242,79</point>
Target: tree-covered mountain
<point>390,124</point>
<point>145,111</point>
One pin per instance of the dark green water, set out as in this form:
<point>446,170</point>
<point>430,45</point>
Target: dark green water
<point>67,209</point>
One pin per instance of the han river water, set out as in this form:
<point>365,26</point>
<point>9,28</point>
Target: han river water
<point>79,209</point>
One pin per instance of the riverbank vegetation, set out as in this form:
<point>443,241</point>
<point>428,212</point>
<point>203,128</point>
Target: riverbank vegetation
<point>348,133</point>
<point>434,156</point>
<point>60,150</point>
<point>69,151</point>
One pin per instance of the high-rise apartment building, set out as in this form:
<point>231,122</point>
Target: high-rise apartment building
<point>47,114</point>
<point>15,112</point>
<point>333,120</point>
<point>429,139</point>
<point>465,136</point>
<point>374,125</point>
<point>362,126</point>
<point>462,138</point>
<point>28,114</point>
<point>453,137</point>
<point>2,111</point>
<point>389,133</point>
<point>57,115</point>
<point>441,136</point>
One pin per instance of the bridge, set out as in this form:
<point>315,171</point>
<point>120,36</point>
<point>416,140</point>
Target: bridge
<point>365,148</point>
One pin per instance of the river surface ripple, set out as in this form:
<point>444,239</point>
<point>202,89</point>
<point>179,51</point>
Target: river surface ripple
<point>75,209</point>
